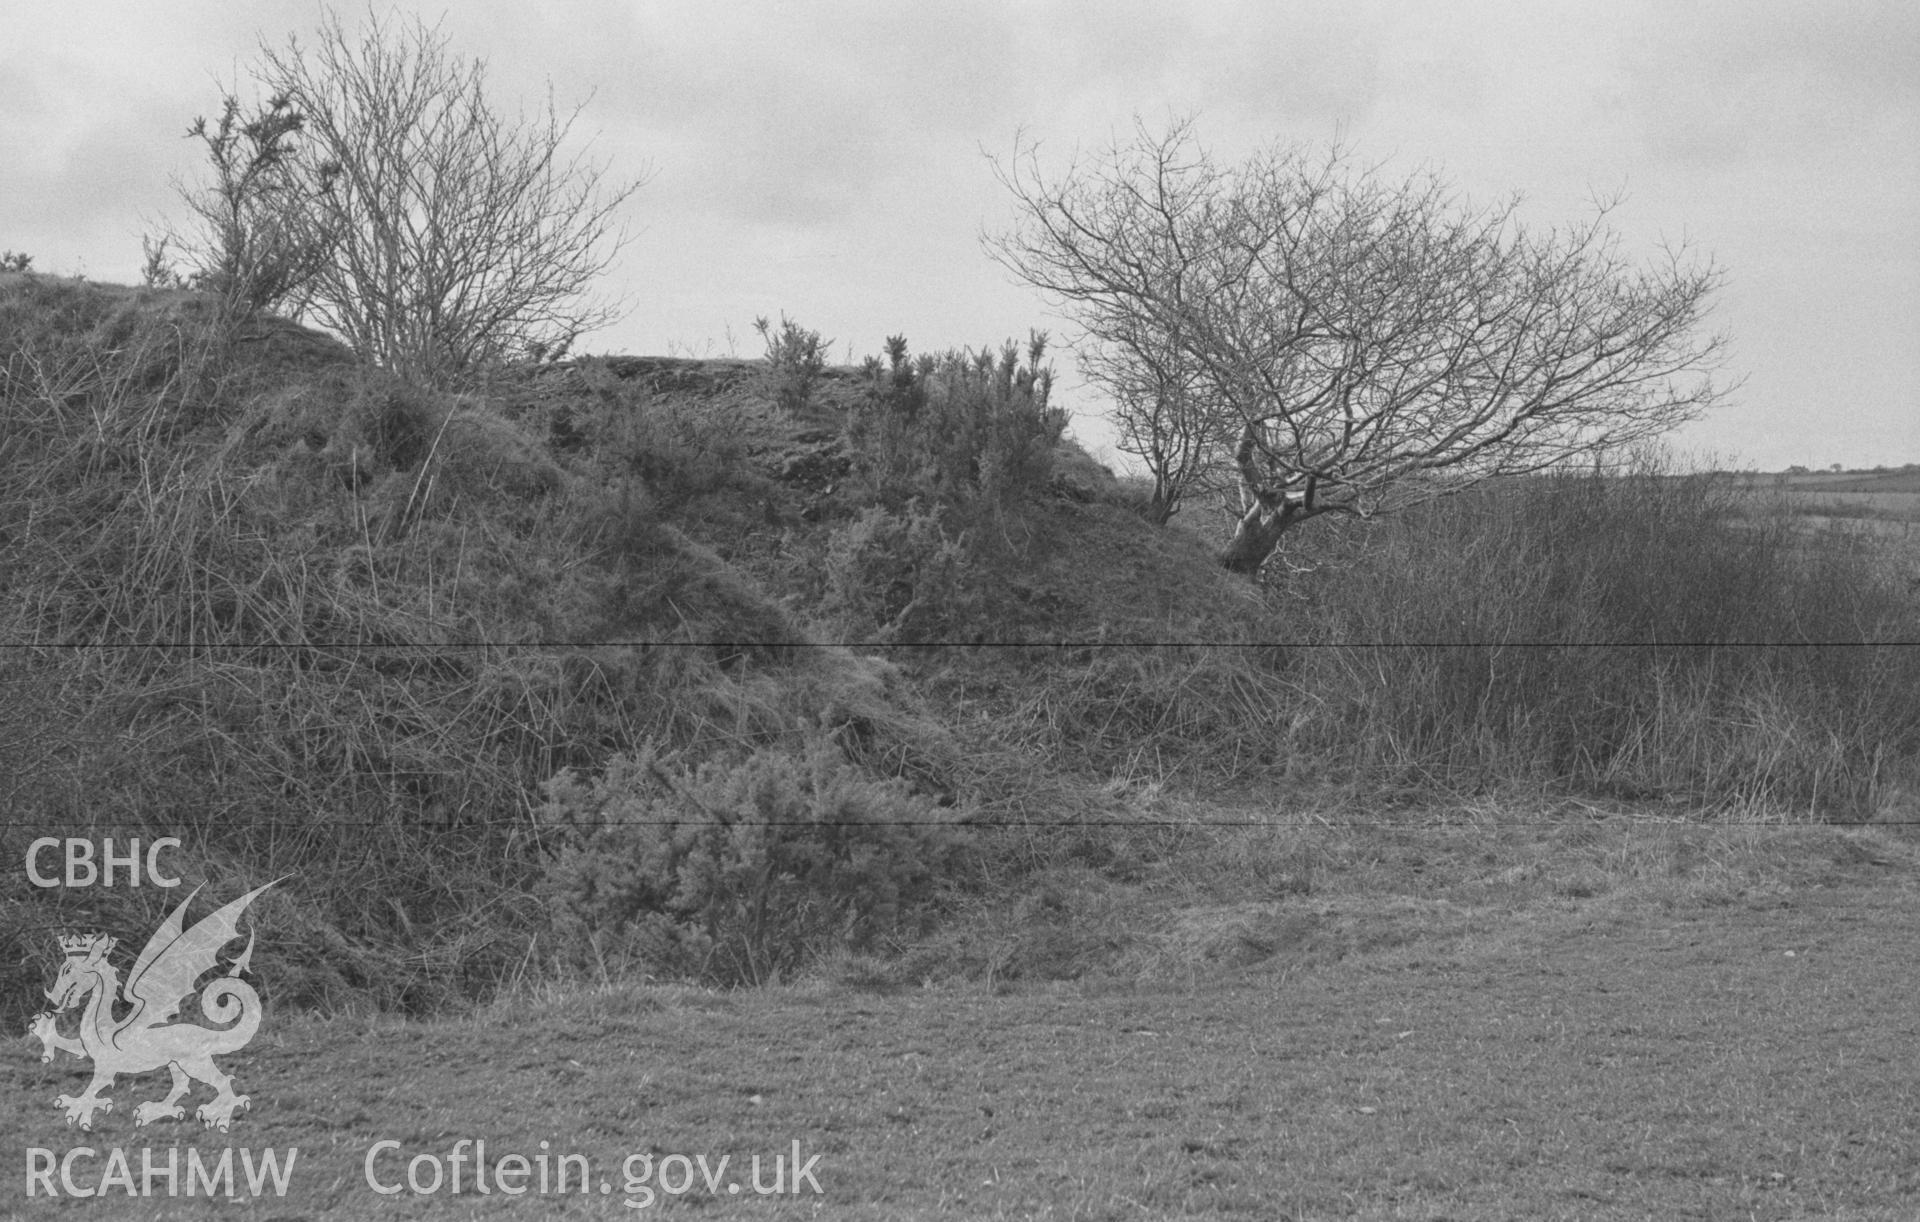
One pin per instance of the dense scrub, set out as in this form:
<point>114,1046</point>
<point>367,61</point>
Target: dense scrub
<point>620,666</point>
<point>1645,636</point>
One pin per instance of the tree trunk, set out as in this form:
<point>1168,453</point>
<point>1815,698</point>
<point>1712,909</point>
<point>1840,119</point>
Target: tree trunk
<point>1159,509</point>
<point>1270,511</point>
<point>1255,538</point>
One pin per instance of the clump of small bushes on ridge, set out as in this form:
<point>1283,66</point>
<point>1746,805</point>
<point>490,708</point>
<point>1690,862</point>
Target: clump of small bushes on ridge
<point>945,451</point>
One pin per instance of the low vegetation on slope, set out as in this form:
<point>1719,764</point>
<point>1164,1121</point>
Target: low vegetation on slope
<point>630,666</point>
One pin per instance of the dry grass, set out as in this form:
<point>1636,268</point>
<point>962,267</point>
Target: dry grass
<point>314,618</point>
<point>310,618</point>
<point>1482,863</point>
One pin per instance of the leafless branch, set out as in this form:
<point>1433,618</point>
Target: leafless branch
<point>460,238</point>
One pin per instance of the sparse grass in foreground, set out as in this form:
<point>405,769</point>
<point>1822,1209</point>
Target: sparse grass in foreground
<point>1730,1042</point>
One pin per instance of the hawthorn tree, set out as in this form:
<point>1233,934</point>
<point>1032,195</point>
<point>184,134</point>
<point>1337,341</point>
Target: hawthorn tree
<point>455,237</point>
<point>1332,341</point>
<point>1158,395</point>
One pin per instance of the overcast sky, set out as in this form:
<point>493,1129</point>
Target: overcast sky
<point>826,159</point>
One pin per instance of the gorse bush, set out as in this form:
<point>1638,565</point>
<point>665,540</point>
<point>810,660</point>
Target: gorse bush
<point>735,871</point>
<point>257,245</point>
<point>944,450</point>
<point>968,430</point>
<point>795,359</point>
<point>689,457</point>
<point>900,576</point>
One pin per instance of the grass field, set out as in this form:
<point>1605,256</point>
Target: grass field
<point>1879,508</point>
<point>1903,480</point>
<point>1592,1016</point>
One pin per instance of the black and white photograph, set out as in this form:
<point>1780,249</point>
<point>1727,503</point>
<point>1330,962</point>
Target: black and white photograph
<point>985,609</point>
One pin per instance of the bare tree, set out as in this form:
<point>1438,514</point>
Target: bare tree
<point>1138,355</point>
<point>1160,407</point>
<point>1355,345</point>
<point>458,238</point>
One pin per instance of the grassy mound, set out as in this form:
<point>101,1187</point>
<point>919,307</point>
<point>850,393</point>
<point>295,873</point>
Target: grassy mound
<point>720,669</point>
<point>314,620</point>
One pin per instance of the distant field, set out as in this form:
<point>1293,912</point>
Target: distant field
<point>1851,494</point>
<point>1884,503</point>
<point>1904,506</point>
<point>1906,479</point>
<point>1895,529</point>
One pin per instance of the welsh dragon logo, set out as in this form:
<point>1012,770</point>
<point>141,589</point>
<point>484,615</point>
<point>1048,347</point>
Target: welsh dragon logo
<point>144,1039</point>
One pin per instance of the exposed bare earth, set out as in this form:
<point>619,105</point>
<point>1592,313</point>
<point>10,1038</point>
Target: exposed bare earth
<point>1743,1054</point>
